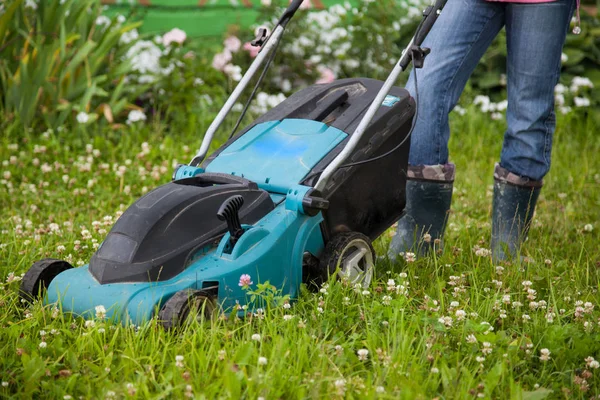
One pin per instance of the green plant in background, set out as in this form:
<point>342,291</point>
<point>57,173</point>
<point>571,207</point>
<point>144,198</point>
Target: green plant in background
<point>366,40</point>
<point>59,59</point>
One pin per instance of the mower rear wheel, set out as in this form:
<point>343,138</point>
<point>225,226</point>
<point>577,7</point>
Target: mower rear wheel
<point>176,311</point>
<point>352,256</point>
<point>37,279</point>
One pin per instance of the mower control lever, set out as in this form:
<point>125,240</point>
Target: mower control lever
<point>261,37</point>
<point>229,212</point>
<point>418,55</point>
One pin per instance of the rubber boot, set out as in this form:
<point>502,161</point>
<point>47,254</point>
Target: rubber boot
<point>513,206</point>
<point>428,198</point>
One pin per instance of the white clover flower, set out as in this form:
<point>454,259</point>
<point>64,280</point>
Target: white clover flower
<point>363,354</point>
<point>544,355</point>
<point>487,348</point>
<point>262,361</point>
<point>82,117</point>
<point>43,345</point>
<point>256,337</point>
<point>31,4</point>
<point>340,386</point>
<point>447,321</point>
<point>135,116</point>
<point>588,228</point>
<point>560,89</point>
<point>471,338</point>
<point>410,257</point>
<point>481,252</point>
<point>459,110</point>
<point>592,363</point>
<point>581,102</point>
<point>578,82</point>
<point>179,361</point>
<point>100,312</point>
<point>434,370</point>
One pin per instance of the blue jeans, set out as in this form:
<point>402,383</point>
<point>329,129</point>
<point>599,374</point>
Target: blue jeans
<point>535,34</point>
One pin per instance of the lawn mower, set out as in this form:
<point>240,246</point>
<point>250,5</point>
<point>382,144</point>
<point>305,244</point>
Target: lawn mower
<point>297,196</point>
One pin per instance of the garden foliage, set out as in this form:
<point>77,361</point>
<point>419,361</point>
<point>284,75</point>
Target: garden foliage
<point>61,57</point>
<point>63,62</point>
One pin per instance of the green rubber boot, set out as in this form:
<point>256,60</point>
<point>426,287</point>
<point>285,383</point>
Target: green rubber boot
<point>513,206</point>
<point>428,198</point>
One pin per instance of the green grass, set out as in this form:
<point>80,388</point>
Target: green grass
<point>54,188</point>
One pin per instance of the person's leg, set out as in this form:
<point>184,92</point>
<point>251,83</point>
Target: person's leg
<point>535,34</point>
<point>459,38</point>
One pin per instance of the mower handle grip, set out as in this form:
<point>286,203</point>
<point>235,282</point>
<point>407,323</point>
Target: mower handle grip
<point>430,15</point>
<point>218,178</point>
<point>289,12</point>
<point>429,21</point>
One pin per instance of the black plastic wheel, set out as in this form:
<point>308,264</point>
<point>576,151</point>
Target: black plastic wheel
<point>175,312</point>
<point>311,272</point>
<point>351,255</point>
<point>38,277</point>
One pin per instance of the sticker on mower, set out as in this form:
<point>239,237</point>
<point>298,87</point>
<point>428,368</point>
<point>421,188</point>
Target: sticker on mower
<point>390,100</point>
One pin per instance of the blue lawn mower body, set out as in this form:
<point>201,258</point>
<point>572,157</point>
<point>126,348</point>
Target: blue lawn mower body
<point>258,209</point>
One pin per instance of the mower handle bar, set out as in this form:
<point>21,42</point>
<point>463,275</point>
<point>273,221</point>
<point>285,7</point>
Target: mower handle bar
<point>265,49</point>
<point>430,15</point>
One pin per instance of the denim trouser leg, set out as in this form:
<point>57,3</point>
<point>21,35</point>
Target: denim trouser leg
<point>535,34</point>
<point>462,34</point>
<point>459,38</point>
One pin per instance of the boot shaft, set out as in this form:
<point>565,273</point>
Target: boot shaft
<point>513,207</point>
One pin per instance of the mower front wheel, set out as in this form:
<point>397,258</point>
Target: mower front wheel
<point>37,279</point>
<point>176,311</point>
<point>352,256</point>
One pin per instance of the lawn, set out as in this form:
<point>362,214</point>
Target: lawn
<point>453,326</point>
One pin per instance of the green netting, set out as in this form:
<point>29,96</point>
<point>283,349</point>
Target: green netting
<point>211,19</point>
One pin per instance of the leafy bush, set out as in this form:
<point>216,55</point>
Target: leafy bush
<point>58,58</point>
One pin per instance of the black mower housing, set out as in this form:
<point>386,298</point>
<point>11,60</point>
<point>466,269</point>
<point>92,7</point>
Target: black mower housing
<point>154,237</point>
<point>367,198</point>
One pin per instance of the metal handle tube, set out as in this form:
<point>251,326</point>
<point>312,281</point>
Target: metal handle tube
<point>233,98</point>
<point>289,12</point>
<point>364,123</point>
